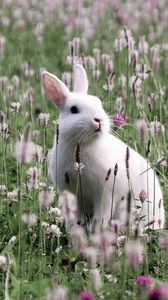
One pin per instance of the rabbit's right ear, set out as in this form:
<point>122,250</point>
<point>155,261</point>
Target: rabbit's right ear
<point>80,79</point>
<point>54,89</point>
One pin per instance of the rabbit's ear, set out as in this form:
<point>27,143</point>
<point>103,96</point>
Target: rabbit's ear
<point>80,79</point>
<point>54,89</point>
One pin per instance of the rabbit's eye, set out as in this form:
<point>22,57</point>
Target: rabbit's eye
<point>74,110</point>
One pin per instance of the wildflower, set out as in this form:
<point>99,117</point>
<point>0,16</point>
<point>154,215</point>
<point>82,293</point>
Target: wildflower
<point>96,53</point>
<point>142,71</point>
<point>142,131</point>
<point>122,80</point>
<point>85,295</point>
<point>9,90</point>
<point>15,107</point>
<point>135,83</point>
<point>2,45</point>
<point>33,181</point>
<point>143,195</point>
<point>35,134</point>
<point>103,241</point>
<point>143,45</point>
<point>24,150</point>
<point>79,240</point>
<point>134,252</point>
<point>44,119</point>
<point>109,83</point>
<point>124,39</point>
<point>45,224</point>
<point>163,240</point>
<point>161,161</point>
<point>159,292</point>
<point>110,278</point>
<point>30,219</point>
<point>15,80</point>
<point>118,44</point>
<point>91,256</point>
<point>38,31</point>
<point>3,189</point>
<point>119,119</point>
<point>134,58</point>
<point>13,196</point>
<point>27,70</point>
<point>42,186</point>
<point>105,58</point>
<point>58,217</point>
<point>2,118</point>
<point>58,249</point>
<point>28,95</point>
<point>46,197</point>
<point>152,98</point>
<point>144,281</point>
<point>95,279</point>
<point>38,153</point>
<point>119,104</point>
<point>53,230</point>
<point>68,205</point>
<point>155,127</point>
<point>109,67</point>
<point>3,82</point>
<point>121,241</point>
<point>96,74</point>
<point>57,292</point>
<point>55,210</point>
<point>155,49</point>
<point>115,226</point>
<point>3,125</point>
<point>67,77</point>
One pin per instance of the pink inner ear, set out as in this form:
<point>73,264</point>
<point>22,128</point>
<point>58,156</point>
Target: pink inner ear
<point>53,89</point>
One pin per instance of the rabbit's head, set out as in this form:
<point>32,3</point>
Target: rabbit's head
<point>82,117</point>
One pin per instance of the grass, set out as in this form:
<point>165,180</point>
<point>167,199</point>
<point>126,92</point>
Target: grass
<point>37,260</point>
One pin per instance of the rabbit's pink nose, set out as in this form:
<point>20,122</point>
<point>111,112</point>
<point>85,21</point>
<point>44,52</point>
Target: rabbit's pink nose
<point>98,123</point>
<point>97,120</point>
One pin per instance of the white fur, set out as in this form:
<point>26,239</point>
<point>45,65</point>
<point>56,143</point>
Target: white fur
<point>99,151</point>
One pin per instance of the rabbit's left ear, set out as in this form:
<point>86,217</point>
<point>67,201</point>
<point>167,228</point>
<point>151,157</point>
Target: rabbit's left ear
<point>80,79</point>
<point>54,89</point>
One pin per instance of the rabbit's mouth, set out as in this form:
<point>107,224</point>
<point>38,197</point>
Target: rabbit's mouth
<point>99,128</point>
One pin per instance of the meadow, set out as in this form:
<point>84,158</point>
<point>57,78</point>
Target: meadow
<point>123,46</point>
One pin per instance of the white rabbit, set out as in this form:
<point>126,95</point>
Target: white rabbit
<point>83,120</point>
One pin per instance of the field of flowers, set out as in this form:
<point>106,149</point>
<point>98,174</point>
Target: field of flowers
<point>123,45</point>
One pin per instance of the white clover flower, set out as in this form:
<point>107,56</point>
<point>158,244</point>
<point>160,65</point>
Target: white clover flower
<point>13,196</point>
<point>15,107</point>
<point>53,230</point>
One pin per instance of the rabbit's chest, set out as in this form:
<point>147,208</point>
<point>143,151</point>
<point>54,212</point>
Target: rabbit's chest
<point>73,175</point>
